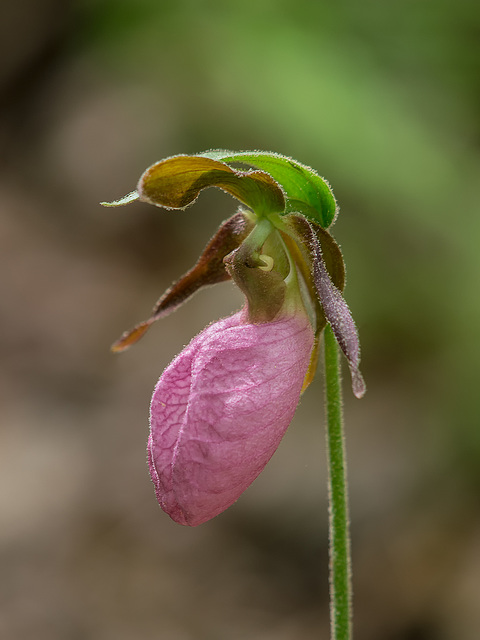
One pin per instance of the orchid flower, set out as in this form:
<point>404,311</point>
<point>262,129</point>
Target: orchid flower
<point>221,408</point>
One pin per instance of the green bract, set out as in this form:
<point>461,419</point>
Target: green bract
<point>305,191</point>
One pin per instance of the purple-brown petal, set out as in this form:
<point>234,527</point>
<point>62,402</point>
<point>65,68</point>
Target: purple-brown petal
<point>334,306</point>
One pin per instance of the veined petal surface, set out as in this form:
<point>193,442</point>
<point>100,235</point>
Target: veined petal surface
<point>220,409</point>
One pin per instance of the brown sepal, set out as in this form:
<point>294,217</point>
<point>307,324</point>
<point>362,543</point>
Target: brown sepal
<point>208,270</point>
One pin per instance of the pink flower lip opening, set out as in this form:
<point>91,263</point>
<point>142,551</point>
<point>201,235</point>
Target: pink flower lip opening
<point>220,409</point>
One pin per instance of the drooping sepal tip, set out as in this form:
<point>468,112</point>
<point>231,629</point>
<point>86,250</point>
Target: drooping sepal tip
<point>358,384</point>
<point>130,337</point>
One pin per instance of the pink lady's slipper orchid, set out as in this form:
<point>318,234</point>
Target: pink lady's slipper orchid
<point>220,409</point>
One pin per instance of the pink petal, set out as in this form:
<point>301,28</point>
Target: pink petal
<point>220,409</point>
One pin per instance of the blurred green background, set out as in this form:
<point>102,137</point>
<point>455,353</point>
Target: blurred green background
<point>383,99</point>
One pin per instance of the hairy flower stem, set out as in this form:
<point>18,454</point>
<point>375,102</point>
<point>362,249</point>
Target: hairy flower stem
<point>340,558</point>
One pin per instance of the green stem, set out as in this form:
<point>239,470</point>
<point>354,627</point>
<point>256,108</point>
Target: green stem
<point>340,559</point>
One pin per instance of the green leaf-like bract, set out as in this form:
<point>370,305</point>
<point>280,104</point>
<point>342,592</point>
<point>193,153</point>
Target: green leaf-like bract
<point>305,191</point>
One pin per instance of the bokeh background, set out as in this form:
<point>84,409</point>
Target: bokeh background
<point>383,99</point>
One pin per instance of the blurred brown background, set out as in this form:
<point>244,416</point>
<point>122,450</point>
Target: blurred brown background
<point>383,99</point>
